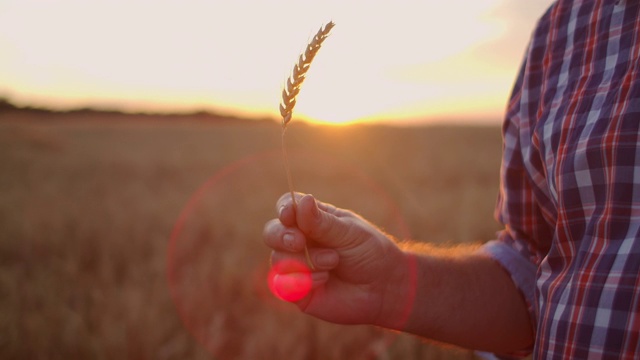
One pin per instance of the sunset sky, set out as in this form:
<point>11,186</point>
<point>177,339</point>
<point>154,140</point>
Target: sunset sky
<point>399,61</point>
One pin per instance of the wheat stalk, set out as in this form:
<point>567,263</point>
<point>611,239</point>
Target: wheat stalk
<point>289,94</point>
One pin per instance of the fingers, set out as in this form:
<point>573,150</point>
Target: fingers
<point>321,222</point>
<point>285,210</point>
<point>291,277</point>
<point>325,225</point>
<point>289,243</point>
<point>279,237</point>
<point>329,227</point>
<point>287,215</point>
<point>322,259</point>
<point>295,287</point>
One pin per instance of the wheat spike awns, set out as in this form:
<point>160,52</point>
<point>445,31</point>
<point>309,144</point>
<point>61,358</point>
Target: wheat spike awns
<point>289,93</point>
<point>292,87</point>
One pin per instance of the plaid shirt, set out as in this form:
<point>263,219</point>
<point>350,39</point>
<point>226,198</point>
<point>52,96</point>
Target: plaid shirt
<point>570,181</point>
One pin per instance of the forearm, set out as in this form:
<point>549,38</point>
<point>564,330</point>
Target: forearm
<point>459,296</point>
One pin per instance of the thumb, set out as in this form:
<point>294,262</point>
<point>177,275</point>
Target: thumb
<point>323,227</point>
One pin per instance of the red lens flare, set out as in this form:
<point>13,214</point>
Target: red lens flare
<point>225,292</point>
<point>290,280</point>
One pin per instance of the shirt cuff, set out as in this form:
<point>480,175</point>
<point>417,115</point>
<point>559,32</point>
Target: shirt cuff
<point>522,271</point>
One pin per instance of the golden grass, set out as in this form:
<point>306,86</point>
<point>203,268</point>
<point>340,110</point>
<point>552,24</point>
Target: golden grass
<point>88,270</point>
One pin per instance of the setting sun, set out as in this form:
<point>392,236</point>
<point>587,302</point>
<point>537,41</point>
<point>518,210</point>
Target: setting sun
<point>399,61</point>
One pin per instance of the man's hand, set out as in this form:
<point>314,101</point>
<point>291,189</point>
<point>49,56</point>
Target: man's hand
<point>357,266</point>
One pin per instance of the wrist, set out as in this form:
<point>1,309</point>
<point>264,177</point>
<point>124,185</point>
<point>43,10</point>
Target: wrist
<point>400,293</point>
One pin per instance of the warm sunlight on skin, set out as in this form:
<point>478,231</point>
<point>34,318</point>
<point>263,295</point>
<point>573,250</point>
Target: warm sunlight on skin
<point>385,61</point>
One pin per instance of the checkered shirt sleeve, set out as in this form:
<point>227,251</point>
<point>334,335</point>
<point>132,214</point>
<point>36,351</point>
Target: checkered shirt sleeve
<point>570,181</point>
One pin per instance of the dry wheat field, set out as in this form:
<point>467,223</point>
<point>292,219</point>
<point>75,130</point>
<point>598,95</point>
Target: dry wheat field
<point>135,237</point>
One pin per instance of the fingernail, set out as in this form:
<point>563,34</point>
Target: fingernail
<point>280,211</point>
<point>327,259</point>
<point>289,241</point>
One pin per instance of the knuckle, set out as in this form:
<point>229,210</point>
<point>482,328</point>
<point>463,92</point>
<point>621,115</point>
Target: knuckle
<point>270,231</point>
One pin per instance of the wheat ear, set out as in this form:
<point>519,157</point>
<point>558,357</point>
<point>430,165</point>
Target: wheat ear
<point>289,94</point>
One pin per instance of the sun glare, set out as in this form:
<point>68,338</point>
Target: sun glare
<point>380,62</point>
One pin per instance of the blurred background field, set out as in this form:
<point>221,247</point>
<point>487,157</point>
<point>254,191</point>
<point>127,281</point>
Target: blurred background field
<point>93,265</point>
<point>139,236</point>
